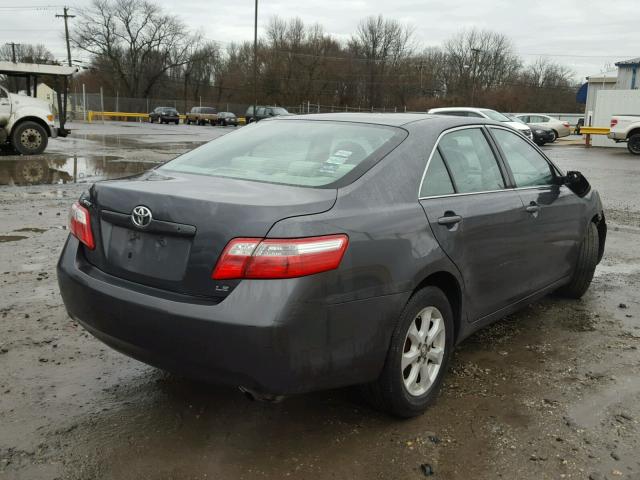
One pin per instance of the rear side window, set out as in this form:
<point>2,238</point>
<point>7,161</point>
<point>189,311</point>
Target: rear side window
<point>529,168</point>
<point>436,180</point>
<point>298,152</point>
<point>471,161</point>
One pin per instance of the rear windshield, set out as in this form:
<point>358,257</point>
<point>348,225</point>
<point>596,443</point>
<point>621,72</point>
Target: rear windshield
<point>207,110</point>
<point>298,152</point>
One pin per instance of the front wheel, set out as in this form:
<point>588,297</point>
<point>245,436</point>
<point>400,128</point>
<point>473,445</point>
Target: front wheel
<point>29,138</point>
<point>554,136</point>
<point>418,356</point>
<point>633,145</point>
<point>585,266</point>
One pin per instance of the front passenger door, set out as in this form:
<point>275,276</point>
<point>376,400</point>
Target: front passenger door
<point>477,221</point>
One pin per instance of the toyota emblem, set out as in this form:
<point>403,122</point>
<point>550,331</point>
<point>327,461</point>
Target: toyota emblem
<point>141,216</point>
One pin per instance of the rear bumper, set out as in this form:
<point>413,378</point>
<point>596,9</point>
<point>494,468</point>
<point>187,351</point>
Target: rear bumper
<point>617,136</point>
<point>263,336</point>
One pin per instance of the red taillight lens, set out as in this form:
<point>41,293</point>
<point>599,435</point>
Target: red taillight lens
<point>280,258</point>
<point>614,122</point>
<point>566,124</point>
<point>80,225</point>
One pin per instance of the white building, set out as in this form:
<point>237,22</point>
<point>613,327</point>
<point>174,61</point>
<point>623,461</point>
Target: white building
<point>617,93</point>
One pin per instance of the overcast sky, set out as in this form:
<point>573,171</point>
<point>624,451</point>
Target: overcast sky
<point>586,35</point>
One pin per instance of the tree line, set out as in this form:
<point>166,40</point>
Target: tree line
<point>139,50</point>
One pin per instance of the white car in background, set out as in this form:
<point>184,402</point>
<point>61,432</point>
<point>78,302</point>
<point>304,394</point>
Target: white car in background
<point>483,113</point>
<point>560,127</point>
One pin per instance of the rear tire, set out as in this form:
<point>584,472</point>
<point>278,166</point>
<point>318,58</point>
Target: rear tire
<point>585,266</point>
<point>633,144</point>
<point>29,138</point>
<point>422,343</point>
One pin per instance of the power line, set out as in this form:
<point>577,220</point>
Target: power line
<point>32,7</point>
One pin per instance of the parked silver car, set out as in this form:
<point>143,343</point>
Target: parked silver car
<point>560,127</point>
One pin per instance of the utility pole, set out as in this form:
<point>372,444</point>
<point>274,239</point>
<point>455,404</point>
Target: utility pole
<point>66,30</point>
<point>475,51</point>
<point>255,62</point>
<point>13,50</point>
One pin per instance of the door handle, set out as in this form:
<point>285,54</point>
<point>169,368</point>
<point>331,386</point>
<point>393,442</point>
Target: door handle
<point>533,207</point>
<point>449,219</point>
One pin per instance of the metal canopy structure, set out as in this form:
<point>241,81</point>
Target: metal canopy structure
<point>31,72</point>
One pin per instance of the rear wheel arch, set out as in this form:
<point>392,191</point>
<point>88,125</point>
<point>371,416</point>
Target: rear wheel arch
<point>448,283</point>
<point>632,132</point>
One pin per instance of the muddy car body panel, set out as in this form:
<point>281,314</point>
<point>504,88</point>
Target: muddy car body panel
<point>333,328</point>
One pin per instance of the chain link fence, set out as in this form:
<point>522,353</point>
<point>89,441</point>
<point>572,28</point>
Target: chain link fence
<point>79,105</point>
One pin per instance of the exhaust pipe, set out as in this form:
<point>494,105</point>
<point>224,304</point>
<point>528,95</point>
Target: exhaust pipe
<point>256,396</point>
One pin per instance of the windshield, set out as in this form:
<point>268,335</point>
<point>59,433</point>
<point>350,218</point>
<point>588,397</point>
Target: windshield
<point>303,153</point>
<point>497,116</point>
<point>207,110</point>
<point>279,111</point>
<point>515,119</point>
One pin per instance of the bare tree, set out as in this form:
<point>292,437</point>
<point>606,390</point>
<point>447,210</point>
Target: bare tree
<point>384,44</point>
<point>134,41</point>
<point>479,60</point>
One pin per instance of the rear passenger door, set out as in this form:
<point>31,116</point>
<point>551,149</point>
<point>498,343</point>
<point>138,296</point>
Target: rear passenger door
<point>554,227</point>
<point>477,220</point>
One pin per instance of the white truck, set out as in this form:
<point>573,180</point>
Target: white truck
<point>26,123</point>
<point>626,128</point>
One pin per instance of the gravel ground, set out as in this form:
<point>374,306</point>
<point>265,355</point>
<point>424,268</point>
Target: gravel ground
<point>550,392</point>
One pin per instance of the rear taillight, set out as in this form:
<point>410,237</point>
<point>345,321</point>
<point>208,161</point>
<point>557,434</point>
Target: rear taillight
<point>279,258</point>
<point>566,124</point>
<point>614,122</point>
<point>80,225</point>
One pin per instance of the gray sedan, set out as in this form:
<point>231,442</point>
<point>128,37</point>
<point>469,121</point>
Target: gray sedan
<point>306,253</point>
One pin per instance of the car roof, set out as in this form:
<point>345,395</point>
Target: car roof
<point>539,115</point>
<point>390,119</point>
<point>458,109</point>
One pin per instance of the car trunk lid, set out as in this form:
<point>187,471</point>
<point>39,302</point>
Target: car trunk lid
<point>193,217</point>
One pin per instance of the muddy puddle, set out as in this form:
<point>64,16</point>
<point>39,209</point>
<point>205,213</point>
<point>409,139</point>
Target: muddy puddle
<point>11,238</point>
<point>47,169</point>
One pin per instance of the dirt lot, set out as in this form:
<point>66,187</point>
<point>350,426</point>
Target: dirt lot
<point>551,392</point>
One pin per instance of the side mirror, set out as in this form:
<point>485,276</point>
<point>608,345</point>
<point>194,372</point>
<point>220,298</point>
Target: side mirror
<point>577,183</point>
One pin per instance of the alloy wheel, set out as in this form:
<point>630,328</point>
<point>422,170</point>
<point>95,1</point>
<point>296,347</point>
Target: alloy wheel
<point>423,351</point>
